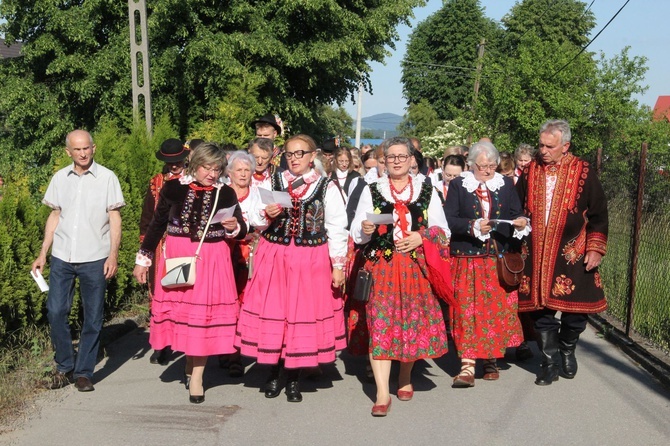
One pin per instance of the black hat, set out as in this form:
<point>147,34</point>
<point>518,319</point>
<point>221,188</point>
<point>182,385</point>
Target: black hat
<point>268,119</point>
<point>330,145</point>
<point>172,151</point>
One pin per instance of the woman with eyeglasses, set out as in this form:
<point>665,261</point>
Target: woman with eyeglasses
<point>198,320</point>
<point>402,320</point>
<point>484,317</point>
<point>292,316</point>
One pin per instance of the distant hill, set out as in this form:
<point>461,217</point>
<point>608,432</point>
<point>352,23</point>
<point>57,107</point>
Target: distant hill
<point>381,124</point>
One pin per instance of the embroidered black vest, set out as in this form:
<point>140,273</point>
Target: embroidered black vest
<point>382,245</point>
<point>305,223</point>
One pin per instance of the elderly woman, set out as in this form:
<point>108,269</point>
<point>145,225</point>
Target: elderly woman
<point>292,310</point>
<point>523,155</point>
<point>344,172</point>
<point>484,318</point>
<point>402,317</point>
<point>198,320</point>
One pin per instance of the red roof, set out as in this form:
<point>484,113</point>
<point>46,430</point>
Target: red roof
<point>662,108</point>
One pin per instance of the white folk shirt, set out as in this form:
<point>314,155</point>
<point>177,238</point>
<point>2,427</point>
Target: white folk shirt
<point>84,202</point>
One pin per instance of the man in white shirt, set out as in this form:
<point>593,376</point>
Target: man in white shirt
<point>85,229</point>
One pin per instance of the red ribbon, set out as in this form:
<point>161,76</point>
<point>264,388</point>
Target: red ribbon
<point>402,211</point>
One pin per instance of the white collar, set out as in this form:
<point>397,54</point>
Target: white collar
<point>188,179</point>
<point>470,183</point>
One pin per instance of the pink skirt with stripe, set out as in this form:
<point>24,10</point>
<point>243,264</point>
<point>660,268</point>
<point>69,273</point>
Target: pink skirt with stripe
<point>199,321</point>
<point>290,309</point>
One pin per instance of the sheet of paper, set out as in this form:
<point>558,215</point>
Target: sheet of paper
<point>40,281</point>
<point>379,219</point>
<point>275,197</point>
<point>223,214</point>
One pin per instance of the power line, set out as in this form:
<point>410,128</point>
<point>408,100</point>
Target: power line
<point>590,42</point>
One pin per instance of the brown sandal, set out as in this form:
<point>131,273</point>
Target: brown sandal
<point>491,372</point>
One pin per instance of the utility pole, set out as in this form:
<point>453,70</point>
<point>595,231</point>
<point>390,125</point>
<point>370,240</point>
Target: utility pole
<point>359,115</point>
<point>137,16</point>
<point>480,58</point>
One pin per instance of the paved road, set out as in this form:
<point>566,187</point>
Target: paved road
<point>611,401</point>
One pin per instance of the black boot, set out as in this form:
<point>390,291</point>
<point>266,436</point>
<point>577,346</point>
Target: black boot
<point>272,388</point>
<point>567,342</point>
<point>549,369</point>
<point>293,394</point>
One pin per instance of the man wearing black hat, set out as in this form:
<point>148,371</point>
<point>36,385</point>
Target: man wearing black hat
<point>268,127</point>
<point>173,153</point>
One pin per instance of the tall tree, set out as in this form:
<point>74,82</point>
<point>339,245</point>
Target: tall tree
<point>441,59</point>
<point>559,21</point>
<point>306,52</point>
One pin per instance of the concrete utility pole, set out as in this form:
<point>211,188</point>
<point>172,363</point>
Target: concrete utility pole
<point>137,15</point>
<point>480,58</point>
<point>359,115</point>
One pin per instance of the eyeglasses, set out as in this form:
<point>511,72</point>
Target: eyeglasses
<point>211,169</point>
<point>484,168</point>
<point>298,154</point>
<point>394,158</point>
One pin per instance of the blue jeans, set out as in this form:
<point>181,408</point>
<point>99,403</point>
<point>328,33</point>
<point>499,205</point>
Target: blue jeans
<point>92,284</point>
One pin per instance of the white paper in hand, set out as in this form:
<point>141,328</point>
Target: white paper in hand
<point>275,197</point>
<point>379,219</point>
<point>223,214</point>
<point>40,281</point>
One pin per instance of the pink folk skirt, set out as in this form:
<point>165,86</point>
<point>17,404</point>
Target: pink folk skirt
<point>201,320</point>
<point>290,309</point>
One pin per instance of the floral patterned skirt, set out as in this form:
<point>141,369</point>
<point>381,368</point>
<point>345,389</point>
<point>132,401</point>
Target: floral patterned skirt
<point>403,319</point>
<point>485,321</point>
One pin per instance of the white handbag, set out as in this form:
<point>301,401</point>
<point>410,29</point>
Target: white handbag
<point>181,270</point>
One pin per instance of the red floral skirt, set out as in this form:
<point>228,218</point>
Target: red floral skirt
<point>485,320</point>
<point>403,319</point>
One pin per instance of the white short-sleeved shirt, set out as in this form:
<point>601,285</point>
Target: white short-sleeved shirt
<point>82,234</point>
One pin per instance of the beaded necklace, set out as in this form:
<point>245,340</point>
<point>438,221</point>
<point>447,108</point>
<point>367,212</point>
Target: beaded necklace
<point>395,193</point>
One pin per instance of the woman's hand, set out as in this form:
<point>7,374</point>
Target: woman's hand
<point>338,277</point>
<point>412,241</point>
<point>140,273</point>
<point>273,210</point>
<point>230,224</point>
<point>484,226</point>
<point>368,227</point>
<point>520,223</point>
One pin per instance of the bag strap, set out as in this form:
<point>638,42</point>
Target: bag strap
<point>211,215</point>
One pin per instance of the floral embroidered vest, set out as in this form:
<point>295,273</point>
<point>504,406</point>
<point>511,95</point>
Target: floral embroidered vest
<point>305,223</point>
<point>381,243</point>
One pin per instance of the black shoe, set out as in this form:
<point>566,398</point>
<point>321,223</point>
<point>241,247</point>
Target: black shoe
<point>293,394</point>
<point>196,399</point>
<point>161,357</point>
<point>59,380</point>
<point>272,388</point>
<point>84,384</point>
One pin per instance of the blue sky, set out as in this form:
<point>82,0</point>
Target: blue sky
<point>642,25</point>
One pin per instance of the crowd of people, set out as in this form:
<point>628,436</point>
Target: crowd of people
<point>281,236</point>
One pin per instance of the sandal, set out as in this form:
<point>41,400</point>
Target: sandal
<point>466,377</point>
<point>491,372</point>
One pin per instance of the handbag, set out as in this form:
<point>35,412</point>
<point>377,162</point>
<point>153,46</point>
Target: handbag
<point>363,286</point>
<point>510,268</point>
<point>181,270</point>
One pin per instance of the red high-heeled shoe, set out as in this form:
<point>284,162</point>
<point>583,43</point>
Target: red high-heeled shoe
<point>380,410</point>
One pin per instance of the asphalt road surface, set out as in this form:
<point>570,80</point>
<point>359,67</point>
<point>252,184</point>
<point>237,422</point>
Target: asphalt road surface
<point>611,401</point>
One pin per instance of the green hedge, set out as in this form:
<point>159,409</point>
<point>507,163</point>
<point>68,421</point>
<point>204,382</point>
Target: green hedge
<point>130,154</point>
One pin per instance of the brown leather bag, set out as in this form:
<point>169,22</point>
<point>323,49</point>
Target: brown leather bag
<point>510,268</point>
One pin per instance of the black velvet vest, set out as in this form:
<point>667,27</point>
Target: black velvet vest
<point>381,243</point>
<point>305,223</point>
